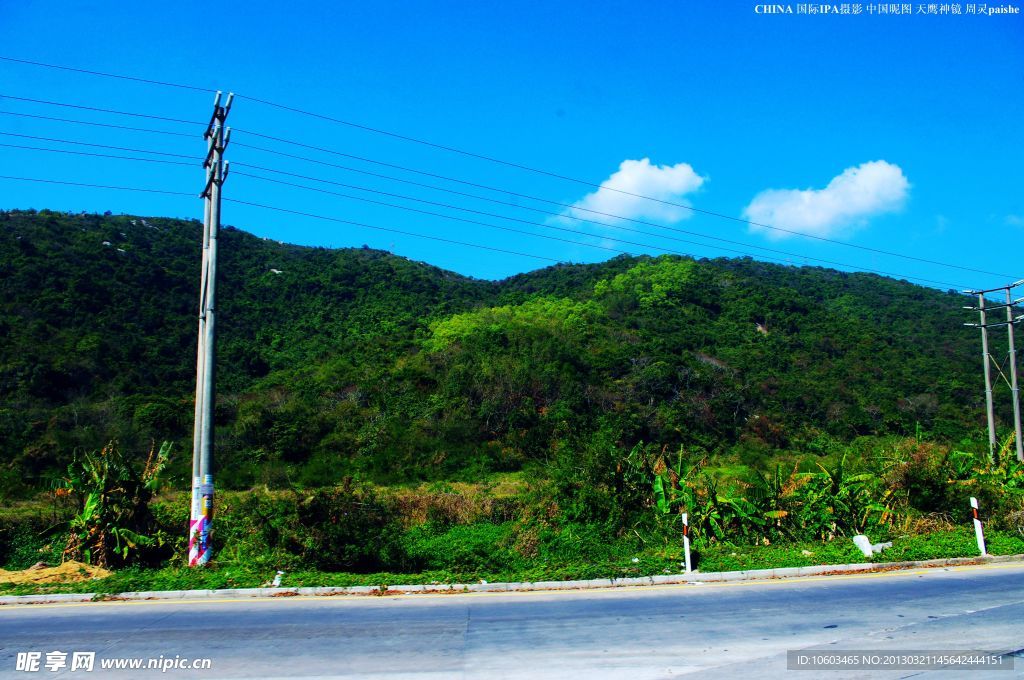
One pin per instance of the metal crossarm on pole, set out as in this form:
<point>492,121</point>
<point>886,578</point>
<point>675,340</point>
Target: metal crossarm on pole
<point>201,511</point>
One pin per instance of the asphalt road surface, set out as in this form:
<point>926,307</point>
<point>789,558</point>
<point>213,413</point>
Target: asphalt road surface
<point>704,631</point>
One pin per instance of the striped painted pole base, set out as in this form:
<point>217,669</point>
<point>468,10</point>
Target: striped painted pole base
<point>200,522</point>
<point>198,542</point>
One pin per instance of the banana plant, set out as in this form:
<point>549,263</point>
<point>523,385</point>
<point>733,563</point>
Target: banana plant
<point>835,501</point>
<point>670,485</point>
<point>1006,475</point>
<point>114,523</point>
<point>769,496</point>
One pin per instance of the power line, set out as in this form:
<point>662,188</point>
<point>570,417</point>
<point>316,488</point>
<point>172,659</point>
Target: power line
<point>468,221</point>
<point>381,203</point>
<point>97,155</point>
<point>101,146</point>
<point>547,226</point>
<point>478,156</point>
<point>604,224</point>
<point>109,75</point>
<point>450,217</point>
<point>445,205</point>
<point>556,214</point>
<point>394,231</point>
<point>98,186</point>
<point>598,186</point>
<point>477,212</point>
<point>106,125</point>
<point>424,142</point>
<point>566,205</point>
<point>279,106</point>
<point>284,210</point>
<point>93,108</point>
<point>667,250</point>
<point>463,152</point>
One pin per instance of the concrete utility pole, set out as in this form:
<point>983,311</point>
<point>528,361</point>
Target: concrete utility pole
<point>1013,369</point>
<point>989,408</point>
<point>988,359</point>
<point>201,514</point>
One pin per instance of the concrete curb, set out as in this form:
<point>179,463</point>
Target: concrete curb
<point>454,588</point>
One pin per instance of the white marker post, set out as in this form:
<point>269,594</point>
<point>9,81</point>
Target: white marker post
<point>978,533</point>
<point>686,542</point>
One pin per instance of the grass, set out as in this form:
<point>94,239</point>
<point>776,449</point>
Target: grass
<point>652,561</point>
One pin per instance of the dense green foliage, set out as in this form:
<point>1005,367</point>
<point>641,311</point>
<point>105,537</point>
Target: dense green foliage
<point>938,545</point>
<point>782,408</point>
<point>338,363</point>
<point>441,533</point>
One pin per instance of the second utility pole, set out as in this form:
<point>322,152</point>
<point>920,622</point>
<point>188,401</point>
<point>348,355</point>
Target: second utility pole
<point>1014,389</point>
<point>990,409</point>
<point>201,514</point>
<point>987,357</point>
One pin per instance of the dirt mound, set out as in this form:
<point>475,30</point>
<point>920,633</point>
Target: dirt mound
<point>68,572</point>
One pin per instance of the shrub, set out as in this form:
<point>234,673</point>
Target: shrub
<point>348,529</point>
<point>473,547</point>
<point>25,541</point>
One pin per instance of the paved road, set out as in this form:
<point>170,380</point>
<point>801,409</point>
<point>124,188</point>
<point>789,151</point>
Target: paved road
<point>709,630</point>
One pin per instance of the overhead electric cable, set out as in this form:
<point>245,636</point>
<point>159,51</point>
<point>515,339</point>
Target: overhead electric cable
<point>101,146</point>
<point>468,221</point>
<point>97,155</point>
<point>547,212</point>
<point>109,75</point>
<point>443,147</point>
<point>98,186</point>
<point>599,186</point>
<point>548,226</point>
<point>562,204</point>
<point>94,108</point>
<point>406,197</point>
<point>394,231</point>
<point>284,210</point>
<point>456,150</point>
<point>476,212</point>
<point>106,125</point>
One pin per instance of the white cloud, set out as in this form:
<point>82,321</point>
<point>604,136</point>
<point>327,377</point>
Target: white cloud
<point>1014,220</point>
<point>846,203</point>
<point>663,182</point>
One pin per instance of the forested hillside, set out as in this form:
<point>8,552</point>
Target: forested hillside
<point>355,362</point>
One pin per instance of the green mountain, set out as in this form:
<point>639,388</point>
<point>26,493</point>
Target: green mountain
<point>356,362</point>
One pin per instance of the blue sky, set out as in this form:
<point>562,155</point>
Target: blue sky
<point>900,133</point>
